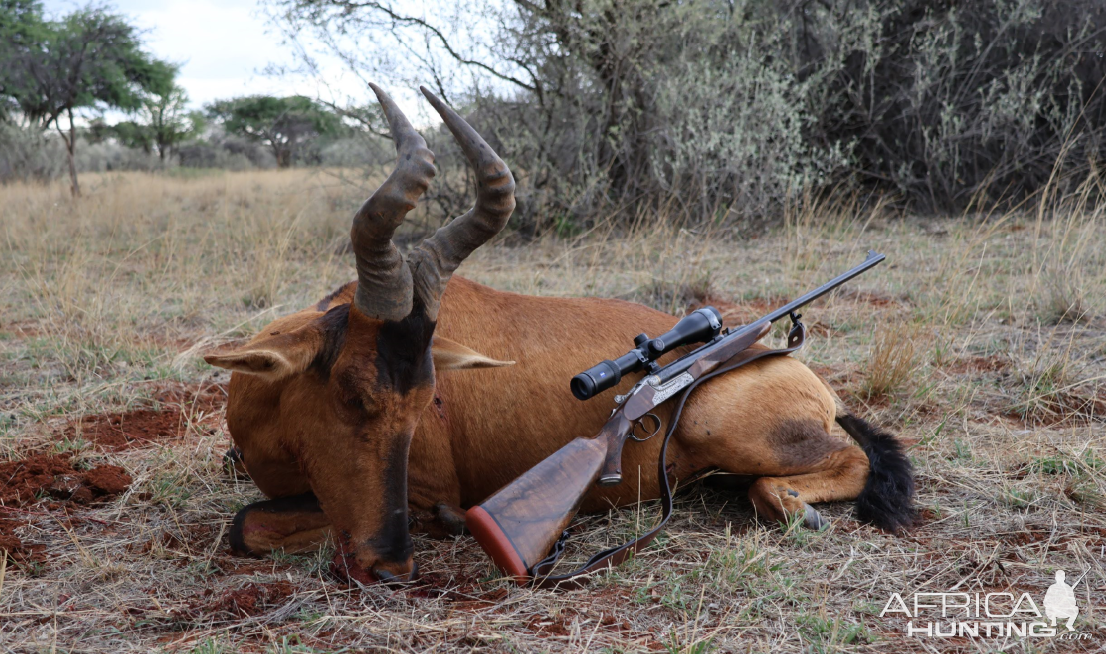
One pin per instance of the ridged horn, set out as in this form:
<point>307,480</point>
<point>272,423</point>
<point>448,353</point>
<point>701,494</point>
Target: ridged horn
<point>384,284</point>
<point>438,256</point>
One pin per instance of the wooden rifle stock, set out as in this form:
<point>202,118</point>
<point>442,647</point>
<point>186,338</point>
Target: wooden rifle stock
<point>519,525</point>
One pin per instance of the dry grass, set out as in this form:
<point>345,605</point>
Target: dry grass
<point>982,341</point>
<point>893,361</point>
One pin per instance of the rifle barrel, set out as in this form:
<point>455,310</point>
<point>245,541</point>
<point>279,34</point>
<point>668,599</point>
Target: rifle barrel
<point>683,363</point>
<point>871,261</point>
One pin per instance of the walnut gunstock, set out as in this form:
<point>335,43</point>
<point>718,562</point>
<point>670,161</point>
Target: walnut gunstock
<point>520,524</point>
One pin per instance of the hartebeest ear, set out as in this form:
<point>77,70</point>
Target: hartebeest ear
<point>275,356</point>
<point>451,355</point>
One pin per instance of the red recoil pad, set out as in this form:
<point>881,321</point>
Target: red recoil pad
<point>496,544</point>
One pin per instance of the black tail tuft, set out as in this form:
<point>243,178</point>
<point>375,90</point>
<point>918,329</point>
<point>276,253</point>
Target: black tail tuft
<point>887,500</point>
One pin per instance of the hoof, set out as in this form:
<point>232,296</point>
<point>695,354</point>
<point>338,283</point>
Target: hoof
<point>345,569</point>
<point>814,520</point>
<point>452,519</point>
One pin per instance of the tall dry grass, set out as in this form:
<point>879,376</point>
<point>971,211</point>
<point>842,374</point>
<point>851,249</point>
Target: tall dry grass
<point>147,256</point>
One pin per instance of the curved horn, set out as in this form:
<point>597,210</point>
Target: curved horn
<point>384,288</point>
<point>438,256</point>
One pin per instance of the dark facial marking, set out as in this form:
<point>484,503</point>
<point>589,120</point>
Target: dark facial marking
<point>403,359</point>
<point>394,540</point>
<point>334,325</point>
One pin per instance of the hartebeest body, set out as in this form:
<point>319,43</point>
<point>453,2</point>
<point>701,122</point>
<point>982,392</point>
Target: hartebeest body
<point>365,401</point>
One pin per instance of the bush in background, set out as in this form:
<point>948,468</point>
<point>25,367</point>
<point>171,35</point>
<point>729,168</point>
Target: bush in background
<point>26,154</point>
<point>718,108</point>
<point>951,102</point>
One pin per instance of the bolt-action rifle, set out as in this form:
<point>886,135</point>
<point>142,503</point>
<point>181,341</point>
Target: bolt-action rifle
<point>520,524</point>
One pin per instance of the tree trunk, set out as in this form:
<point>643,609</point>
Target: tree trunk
<point>70,147</point>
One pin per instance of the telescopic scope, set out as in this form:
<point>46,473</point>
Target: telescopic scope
<point>698,326</point>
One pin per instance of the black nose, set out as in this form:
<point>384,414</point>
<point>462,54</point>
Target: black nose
<point>391,578</point>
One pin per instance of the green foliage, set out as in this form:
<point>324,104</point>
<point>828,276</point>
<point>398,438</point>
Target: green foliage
<point>1055,465</point>
<point>831,634</point>
<point>167,122</point>
<point>163,122</point>
<point>211,646</point>
<point>88,59</point>
<point>22,27</point>
<point>292,127</point>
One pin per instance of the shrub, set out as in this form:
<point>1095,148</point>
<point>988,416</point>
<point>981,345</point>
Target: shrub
<point>27,154</point>
<point>721,108</point>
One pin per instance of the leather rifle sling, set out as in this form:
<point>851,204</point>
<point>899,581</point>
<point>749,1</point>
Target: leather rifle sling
<point>616,555</point>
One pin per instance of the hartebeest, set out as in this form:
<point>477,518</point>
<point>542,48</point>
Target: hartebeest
<point>354,413</point>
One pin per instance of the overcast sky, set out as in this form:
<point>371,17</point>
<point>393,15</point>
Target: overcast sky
<point>223,47</point>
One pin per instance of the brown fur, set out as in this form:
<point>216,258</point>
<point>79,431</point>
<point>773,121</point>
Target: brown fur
<point>342,435</point>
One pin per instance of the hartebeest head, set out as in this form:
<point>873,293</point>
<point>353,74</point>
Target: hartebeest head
<point>353,382</point>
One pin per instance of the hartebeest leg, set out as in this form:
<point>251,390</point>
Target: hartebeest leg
<point>293,524</point>
<point>840,476</point>
<point>297,525</point>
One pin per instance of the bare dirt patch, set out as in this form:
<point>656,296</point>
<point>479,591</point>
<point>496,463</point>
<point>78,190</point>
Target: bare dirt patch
<point>992,363</point>
<point>121,431</point>
<point>40,476</point>
<point>24,479</point>
<point>249,600</point>
<point>179,404</point>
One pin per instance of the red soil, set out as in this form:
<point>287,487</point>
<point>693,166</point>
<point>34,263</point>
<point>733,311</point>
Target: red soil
<point>53,475</point>
<point>21,480</point>
<point>19,551</point>
<point>136,428</point>
<point>247,601</point>
<point>121,431</point>
<point>107,480</point>
<point>992,363</point>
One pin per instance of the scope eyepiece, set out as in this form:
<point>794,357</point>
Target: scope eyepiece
<point>696,327</point>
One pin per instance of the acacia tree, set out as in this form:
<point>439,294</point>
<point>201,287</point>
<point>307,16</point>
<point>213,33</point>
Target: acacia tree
<point>165,117</point>
<point>288,126</point>
<point>22,27</point>
<point>163,121</point>
<point>90,59</point>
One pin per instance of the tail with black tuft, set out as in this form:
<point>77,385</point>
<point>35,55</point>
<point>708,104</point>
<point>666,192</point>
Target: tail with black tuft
<point>887,500</point>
